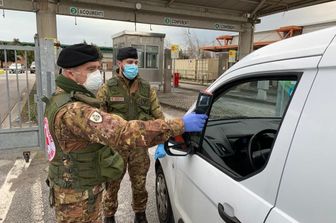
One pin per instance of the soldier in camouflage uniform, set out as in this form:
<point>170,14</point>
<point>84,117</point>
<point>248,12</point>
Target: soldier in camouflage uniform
<point>132,98</point>
<point>79,137</point>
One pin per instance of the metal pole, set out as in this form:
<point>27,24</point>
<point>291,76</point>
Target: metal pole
<point>8,93</point>
<point>18,90</point>
<point>40,107</point>
<point>28,92</point>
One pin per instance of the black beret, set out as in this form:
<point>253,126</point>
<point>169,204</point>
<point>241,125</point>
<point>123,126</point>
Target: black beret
<point>127,52</point>
<point>78,54</point>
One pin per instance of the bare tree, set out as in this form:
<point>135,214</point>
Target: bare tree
<point>192,44</point>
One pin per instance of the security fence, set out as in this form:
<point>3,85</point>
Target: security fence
<point>19,90</point>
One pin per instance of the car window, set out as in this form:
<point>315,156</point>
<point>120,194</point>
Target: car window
<point>243,123</point>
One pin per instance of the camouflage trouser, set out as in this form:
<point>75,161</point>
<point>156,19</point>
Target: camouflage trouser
<point>73,206</point>
<point>138,163</point>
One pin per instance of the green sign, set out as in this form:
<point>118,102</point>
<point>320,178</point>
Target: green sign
<point>86,12</point>
<point>176,22</point>
<point>73,11</point>
<point>167,20</point>
<point>222,26</point>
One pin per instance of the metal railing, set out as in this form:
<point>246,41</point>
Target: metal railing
<point>19,124</point>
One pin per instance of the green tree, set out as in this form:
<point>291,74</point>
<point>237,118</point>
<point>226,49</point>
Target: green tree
<point>9,53</point>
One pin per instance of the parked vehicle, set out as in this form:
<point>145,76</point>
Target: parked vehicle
<point>267,153</point>
<point>13,68</point>
<point>32,67</point>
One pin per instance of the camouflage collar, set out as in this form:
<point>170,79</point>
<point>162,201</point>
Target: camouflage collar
<point>71,86</point>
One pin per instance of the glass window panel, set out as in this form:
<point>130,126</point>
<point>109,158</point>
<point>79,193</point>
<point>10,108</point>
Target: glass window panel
<point>141,55</point>
<point>152,53</point>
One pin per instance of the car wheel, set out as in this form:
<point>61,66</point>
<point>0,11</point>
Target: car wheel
<point>163,205</point>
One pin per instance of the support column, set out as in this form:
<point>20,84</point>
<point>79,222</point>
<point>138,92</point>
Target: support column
<point>46,19</point>
<point>246,40</point>
<point>221,64</point>
<point>47,36</point>
<point>167,71</point>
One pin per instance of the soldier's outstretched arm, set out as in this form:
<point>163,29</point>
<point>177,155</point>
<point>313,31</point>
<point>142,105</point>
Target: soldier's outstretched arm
<point>155,107</point>
<point>101,127</point>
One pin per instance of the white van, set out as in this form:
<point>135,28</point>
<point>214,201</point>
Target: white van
<point>268,151</point>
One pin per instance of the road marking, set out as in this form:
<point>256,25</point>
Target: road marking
<point>37,202</point>
<point>6,193</point>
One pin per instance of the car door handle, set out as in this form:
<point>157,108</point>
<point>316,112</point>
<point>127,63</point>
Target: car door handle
<point>226,217</point>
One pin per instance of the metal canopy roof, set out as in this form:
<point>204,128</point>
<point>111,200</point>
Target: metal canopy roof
<point>252,7</point>
<point>230,15</point>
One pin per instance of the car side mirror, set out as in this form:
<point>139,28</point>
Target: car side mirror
<point>178,146</point>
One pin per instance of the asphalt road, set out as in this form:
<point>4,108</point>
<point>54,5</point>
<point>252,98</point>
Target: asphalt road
<point>24,194</point>
<point>15,95</point>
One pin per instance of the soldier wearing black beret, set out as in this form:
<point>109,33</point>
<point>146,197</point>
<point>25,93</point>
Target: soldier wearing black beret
<point>80,137</point>
<point>78,54</point>
<point>127,52</point>
<point>132,98</point>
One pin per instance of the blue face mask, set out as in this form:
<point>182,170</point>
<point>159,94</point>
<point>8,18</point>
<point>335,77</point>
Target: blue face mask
<point>130,71</point>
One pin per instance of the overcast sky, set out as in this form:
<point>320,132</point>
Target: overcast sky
<point>22,25</point>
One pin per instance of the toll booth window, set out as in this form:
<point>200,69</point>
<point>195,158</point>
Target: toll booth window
<point>141,54</point>
<point>152,53</point>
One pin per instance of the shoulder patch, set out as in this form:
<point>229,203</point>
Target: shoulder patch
<point>50,144</point>
<point>96,117</point>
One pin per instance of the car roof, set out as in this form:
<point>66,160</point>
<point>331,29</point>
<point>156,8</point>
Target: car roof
<point>306,45</point>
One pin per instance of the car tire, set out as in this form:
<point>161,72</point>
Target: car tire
<point>163,205</point>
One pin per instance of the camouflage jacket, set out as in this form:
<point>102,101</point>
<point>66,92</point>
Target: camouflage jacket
<point>78,124</point>
<point>155,108</point>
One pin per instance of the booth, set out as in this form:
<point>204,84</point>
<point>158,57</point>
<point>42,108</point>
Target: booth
<point>150,47</point>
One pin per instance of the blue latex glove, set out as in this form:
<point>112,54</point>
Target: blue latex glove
<point>159,152</point>
<point>194,122</point>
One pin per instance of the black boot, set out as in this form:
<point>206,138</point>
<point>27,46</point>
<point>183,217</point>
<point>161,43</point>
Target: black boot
<point>109,219</point>
<point>140,217</point>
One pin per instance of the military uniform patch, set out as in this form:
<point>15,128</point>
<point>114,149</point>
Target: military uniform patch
<point>96,117</point>
<point>117,99</point>
<point>50,144</point>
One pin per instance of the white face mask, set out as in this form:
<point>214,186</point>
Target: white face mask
<point>93,81</point>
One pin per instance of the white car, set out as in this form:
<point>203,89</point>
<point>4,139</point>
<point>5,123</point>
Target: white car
<point>16,68</point>
<point>267,154</point>
<point>32,67</point>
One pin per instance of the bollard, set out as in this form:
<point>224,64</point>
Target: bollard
<point>176,79</point>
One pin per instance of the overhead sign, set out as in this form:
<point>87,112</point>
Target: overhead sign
<point>232,56</point>
<point>1,3</point>
<point>175,49</point>
<point>176,22</point>
<point>86,12</point>
<point>222,26</point>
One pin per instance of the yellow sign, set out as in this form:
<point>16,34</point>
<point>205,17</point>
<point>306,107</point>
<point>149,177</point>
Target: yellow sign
<point>174,51</point>
<point>232,56</point>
